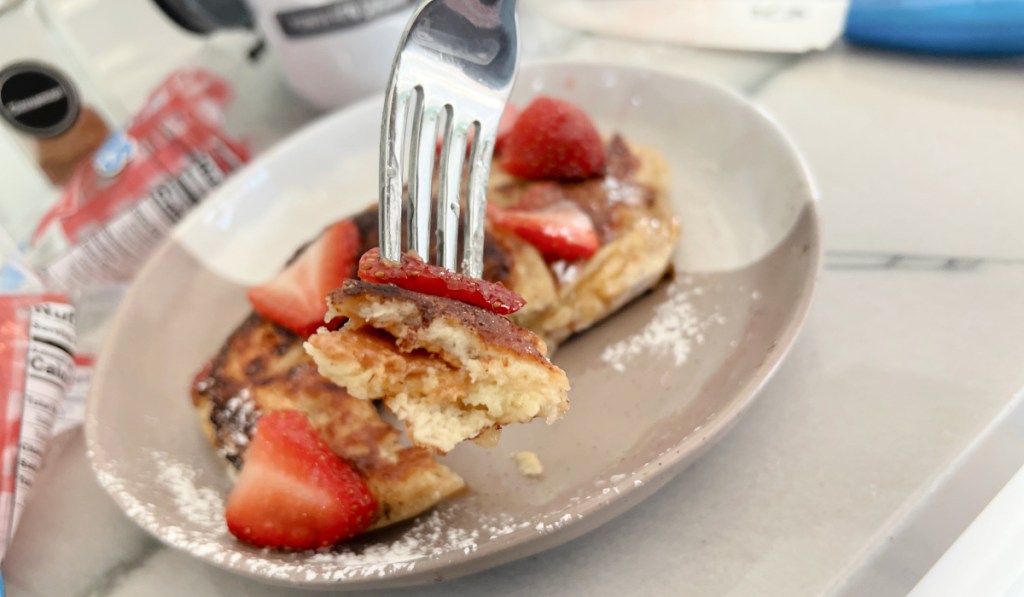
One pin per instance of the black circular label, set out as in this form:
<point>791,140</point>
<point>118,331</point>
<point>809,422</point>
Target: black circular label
<point>37,99</point>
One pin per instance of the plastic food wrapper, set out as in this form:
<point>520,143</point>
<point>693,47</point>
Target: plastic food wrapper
<point>122,202</point>
<point>37,344</point>
<point>117,206</point>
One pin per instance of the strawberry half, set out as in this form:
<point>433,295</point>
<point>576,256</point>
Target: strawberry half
<point>293,491</point>
<point>559,231</point>
<point>416,275</point>
<point>296,297</point>
<point>553,139</point>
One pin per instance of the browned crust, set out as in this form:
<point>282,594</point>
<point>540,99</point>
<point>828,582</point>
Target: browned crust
<point>493,330</point>
<point>630,209</point>
<point>593,196</point>
<point>262,367</point>
<point>268,362</point>
<point>607,210</point>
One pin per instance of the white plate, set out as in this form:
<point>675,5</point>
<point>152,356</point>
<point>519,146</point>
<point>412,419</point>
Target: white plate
<point>652,386</point>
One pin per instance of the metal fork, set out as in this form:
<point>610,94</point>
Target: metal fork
<point>456,59</point>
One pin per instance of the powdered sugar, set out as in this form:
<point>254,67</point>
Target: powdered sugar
<point>193,520</point>
<point>202,506</point>
<point>234,424</point>
<point>673,330</point>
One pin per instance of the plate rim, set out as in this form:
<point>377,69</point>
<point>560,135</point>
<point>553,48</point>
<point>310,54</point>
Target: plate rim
<point>654,474</point>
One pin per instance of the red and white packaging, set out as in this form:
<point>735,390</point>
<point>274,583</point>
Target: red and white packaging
<point>121,203</point>
<point>72,411</point>
<point>37,342</point>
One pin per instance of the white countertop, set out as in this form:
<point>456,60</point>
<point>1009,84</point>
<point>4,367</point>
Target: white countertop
<point>905,362</point>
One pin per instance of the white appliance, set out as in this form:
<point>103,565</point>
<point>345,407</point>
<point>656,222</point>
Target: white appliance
<point>333,52</point>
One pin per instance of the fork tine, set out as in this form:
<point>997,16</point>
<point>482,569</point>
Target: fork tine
<point>421,166</point>
<point>462,56</point>
<point>391,149</point>
<point>476,203</point>
<point>453,154</point>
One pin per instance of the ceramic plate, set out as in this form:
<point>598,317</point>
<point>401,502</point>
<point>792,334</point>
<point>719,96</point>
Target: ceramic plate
<point>652,386</point>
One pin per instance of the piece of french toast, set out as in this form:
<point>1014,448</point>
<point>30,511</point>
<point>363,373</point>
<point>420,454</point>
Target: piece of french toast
<point>630,209</point>
<point>448,370</point>
<point>262,366</point>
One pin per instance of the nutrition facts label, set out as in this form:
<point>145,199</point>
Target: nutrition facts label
<point>49,367</point>
<point>117,249</point>
<point>72,410</point>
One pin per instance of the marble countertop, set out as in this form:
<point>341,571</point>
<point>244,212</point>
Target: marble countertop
<point>910,356</point>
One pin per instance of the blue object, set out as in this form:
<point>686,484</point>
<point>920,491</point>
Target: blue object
<point>11,279</point>
<point>113,156</point>
<point>951,27</point>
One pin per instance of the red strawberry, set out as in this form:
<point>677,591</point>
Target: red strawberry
<point>559,231</point>
<point>293,491</point>
<point>553,139</point>
<point>416,275</point>
<point>295,298</point>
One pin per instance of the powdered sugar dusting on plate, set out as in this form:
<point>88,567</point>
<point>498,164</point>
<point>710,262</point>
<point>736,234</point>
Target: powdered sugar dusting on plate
<point>199,529</point>
<point>202,506</point>
<point>676,325</point>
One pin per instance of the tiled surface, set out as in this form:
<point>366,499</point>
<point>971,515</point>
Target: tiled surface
<point>985,560</point>
<point>894,567</point>
<point>902,363</point>
<point>838,447</point>
<point>744,72</point>
<point>913,154</point>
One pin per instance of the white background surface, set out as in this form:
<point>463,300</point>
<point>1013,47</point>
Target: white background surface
<point>901,367</point>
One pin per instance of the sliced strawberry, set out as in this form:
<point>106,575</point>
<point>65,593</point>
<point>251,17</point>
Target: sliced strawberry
<point>559,231</point>
<point>295,298</point>
<point>293,491</point>
<point>416,275</point>
<point>553,139</point>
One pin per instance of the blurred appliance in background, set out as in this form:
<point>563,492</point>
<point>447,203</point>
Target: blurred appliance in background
<point>333,52</point>
<point>952,27</point>
<point>751,25</point>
